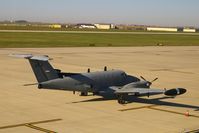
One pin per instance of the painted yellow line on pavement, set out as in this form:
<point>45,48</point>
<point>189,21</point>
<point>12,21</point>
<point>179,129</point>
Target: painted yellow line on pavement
<point>30,123</point>
<point>153,107</point>
<point>128,109</point>
<point>39,128</point>
<point>174,112</point>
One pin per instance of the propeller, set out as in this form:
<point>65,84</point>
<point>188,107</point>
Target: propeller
<point>154,80</point>
<point>105,68</point>
<point>149,82</point>
<point>143,78</point>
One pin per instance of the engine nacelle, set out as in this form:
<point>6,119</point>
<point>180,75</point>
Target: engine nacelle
<point>139,84</point>
<point>175,92</point>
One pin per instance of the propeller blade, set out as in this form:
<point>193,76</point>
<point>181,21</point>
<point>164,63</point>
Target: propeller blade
<point>154,80</point>
<point>105,68</point>
<point>143,78</point>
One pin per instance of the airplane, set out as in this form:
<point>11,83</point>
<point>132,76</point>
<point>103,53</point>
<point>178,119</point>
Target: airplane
<point>115,82</point>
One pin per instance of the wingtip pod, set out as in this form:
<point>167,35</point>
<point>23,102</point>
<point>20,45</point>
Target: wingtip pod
<point>175,92</point>
<point>33,57</point>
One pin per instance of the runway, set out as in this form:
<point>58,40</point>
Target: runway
<point>32,110</point>
<point>101,32</point>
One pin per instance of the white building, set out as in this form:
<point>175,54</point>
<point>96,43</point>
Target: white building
<point>86,26</point>
<point>189,30</point>
<point>104,26</point>
<point>162,29</point>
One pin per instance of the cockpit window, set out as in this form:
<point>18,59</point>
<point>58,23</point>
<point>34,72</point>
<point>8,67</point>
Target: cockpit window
<point>123,74</point>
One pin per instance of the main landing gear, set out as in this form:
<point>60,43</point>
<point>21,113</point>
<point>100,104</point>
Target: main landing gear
<point>84,94</point>
<point>121,99</point>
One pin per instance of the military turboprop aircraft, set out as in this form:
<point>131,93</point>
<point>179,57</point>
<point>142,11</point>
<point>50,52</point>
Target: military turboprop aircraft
<point>115,82</point>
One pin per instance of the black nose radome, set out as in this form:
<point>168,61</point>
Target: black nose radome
<point>175,91</point>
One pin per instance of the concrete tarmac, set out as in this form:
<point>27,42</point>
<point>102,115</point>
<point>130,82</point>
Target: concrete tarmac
<point>28,109</point>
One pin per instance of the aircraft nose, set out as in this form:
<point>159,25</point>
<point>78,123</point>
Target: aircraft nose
<point>182,90</point>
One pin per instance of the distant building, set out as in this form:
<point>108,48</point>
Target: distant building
<point>131,27</point>
<point>20,21</point>
<point>104,26</point>
<point>86,26</point>
<point>189,30</point>
<point>162,29</point>
<point>64,26</point>
<point>55,26</point>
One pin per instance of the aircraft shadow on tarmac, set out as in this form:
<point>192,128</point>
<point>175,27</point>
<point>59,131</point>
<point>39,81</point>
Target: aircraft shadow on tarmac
<point>155,101</point>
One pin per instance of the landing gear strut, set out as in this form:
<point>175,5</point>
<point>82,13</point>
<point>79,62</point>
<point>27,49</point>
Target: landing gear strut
<point>121,99</point>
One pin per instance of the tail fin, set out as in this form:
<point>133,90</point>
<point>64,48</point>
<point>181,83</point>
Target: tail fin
<point>41,67</point>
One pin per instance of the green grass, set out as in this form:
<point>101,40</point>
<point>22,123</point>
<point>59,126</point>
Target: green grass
<point>9,40</point>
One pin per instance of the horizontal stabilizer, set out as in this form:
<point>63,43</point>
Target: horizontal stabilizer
<point>31,57</point>
<point>40,66</point>
<point>30,84</point>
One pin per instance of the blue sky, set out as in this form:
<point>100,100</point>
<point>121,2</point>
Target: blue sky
<point>152,12</point>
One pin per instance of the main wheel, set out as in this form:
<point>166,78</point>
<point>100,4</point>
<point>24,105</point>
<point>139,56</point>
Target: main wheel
<point>84,94</point>
<point>121,99</point>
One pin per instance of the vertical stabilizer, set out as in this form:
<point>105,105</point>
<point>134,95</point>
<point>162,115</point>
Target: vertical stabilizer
<point>41,67</point>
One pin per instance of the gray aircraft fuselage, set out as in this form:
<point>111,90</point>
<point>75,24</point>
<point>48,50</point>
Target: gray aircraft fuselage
<point>90,82</point>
